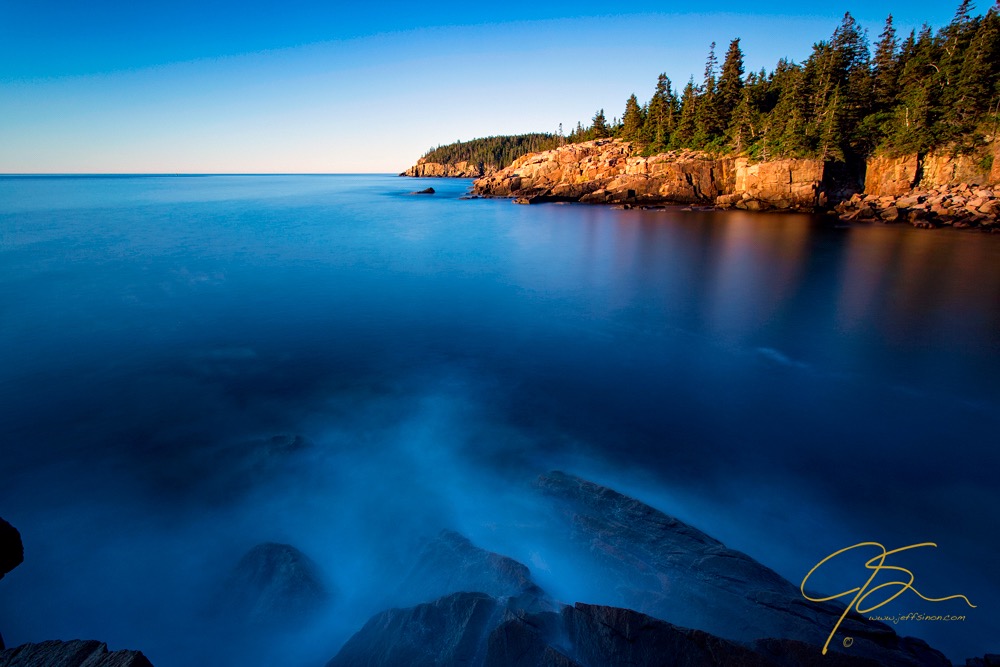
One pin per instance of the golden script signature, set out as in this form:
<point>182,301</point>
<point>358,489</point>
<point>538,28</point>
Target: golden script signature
<point>861,593</point>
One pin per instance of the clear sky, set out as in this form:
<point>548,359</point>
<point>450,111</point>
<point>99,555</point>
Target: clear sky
<point>203,86</point>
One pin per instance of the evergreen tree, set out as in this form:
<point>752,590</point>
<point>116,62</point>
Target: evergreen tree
<point>632,121</point>
<point>660,115</point>
<point>708,121</point>
<point>885,67</point>
<point>730,82</point>
<point>599,128</point>
<point>684,135</point>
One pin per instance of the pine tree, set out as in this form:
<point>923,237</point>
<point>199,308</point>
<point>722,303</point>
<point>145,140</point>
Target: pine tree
<point>684,134</point>
<point>708,123</point>
<point>599,126</point>
<point>730,83</point>
<point>885,67</point>
<point>632,120</point>
<point>660,116</point>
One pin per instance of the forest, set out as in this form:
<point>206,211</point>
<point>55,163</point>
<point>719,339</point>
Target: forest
<point>920,92</point>
<point>493,153</point>
<point>849,99</point>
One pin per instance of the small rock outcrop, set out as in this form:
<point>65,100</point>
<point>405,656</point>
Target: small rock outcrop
<point>452,564</point>
<point>273,582</point>
<point>76,653</point>
<point>11,548</point>
<point>424,169</point>
<point>425,191</point>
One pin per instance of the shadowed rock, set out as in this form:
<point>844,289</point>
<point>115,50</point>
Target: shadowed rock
<point>449,631</point>
<point>76,653</point>
<point>476,630</point>
<point>660,566</point>
<point>273,582</point>
<point>452,564</point>
<point>11,548</point>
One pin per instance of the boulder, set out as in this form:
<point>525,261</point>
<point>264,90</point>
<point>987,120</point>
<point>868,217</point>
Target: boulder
<point>76,653</point>
<point>425,191</point>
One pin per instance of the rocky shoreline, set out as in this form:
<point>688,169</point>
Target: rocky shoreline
<point>962,206</point>
<point>926,191</point>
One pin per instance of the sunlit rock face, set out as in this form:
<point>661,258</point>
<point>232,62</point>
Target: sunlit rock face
<point>609,171</point>
<point>678,592</point>
<point>75,653</point>
<point>463,169</point>
<point>273,583</point>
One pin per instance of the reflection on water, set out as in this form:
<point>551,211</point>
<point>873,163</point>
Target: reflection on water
<point>757,375</point>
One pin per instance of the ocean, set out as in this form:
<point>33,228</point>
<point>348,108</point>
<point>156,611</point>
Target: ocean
<point>191,365</point>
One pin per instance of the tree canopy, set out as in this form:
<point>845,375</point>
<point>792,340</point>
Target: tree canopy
<point>930,90</point>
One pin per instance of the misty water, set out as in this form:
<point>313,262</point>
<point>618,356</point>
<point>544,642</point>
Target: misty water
<point>190,366</point>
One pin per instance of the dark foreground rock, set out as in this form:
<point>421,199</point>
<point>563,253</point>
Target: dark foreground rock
<point>76,653</point>
<point>11,548</point>
<point>476,630</point>
<point>425,191</point>
<point>660,566</point>
<point>273,582</point>
<point>680,597</point>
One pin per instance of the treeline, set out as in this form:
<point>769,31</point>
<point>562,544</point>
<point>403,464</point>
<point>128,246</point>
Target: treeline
<point>493,152</point>
<point>927,90</point>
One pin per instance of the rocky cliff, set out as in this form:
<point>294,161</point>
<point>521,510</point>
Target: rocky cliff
<point>609,171</point>
<point>930,191</point>
<point>423,169</point>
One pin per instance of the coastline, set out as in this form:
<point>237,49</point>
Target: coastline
<point>926,191</point>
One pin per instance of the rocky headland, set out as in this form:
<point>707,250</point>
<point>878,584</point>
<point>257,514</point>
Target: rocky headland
<point>424,169</point>
<point>922,190</point>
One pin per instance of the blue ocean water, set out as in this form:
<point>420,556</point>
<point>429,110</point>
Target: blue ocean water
<point>192,365</point>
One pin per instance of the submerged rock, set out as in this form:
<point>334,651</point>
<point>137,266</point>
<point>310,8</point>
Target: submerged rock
<point>273,582</point>
<point>76,653</point>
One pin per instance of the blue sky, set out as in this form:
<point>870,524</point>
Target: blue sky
<point>295,86</point>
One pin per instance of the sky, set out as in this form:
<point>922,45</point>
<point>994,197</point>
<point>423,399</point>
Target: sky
<point>261,86</point>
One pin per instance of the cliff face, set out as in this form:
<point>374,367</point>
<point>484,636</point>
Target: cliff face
<point>606,171</point>
<point>423,169</point>
<point>900,175</point>
<point>930,191</point>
